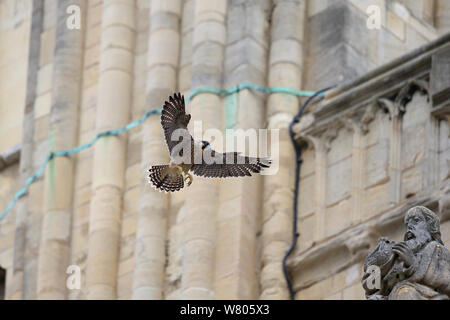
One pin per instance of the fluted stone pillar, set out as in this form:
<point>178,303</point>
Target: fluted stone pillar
<point>356,127</point>
<point>201,203</point>
<point>320,188</point>
<point>285,69</point>
<point>162,64</point>
<point>396,112</point>
<point>443,16</point>
<point>114,99</point>
<point>177,200</point>
<point>26,152</point>
<point>240,198</point>
<point>59,175</point>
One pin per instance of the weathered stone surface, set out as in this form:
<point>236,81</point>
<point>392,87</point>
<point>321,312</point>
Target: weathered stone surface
<point>162,62</point>
<point>418,268</point>
<point>339,181</point>
<point>377,163</point>
<point>64,79</point>
<point>112,112</point>
<point>223,240</point>
<point>47,46</point>
<point>345,47</point>
<point>440,84</point>
<point>306,194</point>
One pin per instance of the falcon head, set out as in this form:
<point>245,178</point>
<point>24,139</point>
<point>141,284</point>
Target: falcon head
<point>205,144</point>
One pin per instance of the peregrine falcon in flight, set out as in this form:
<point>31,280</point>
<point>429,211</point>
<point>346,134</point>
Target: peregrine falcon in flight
<point>195,156</point>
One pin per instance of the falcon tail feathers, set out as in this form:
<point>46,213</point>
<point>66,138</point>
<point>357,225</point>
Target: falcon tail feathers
<point>163,179</point>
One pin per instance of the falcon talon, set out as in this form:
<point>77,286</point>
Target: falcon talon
<point>180,170</point>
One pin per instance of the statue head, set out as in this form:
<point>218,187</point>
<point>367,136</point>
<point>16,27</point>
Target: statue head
<point>422,226</point>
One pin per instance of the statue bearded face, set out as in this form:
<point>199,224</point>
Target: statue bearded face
<point>417,230</point>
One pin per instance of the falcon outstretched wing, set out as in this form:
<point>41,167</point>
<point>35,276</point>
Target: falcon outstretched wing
<point>173,117</point>
<point>240,166</point>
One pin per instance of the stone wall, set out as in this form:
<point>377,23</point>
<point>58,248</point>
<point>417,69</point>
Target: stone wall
<point>339,55</point>
<point>371,152</point>
<point>215,239</point>
<point>8,183</point>
<point>15,25</point>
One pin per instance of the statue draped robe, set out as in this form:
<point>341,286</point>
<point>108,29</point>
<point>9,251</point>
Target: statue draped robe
<point>431,277</point>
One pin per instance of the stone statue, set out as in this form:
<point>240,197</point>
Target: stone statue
<point>417,268</point>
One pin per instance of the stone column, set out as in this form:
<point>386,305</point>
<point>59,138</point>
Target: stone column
<point>202,196</point>
<point>396,112</point>
<point>443,16</point>
<point>321,142</point>
<point>444,148</point>
<point>178,199</point>
<point>357,174</point>
<point>431,155</point>
<point>239,204</point>
<point>187,32</point>
<point>162,63</point>
<point>395,170</point>
<point>26,152</point>
<point>59,175</point>
<point>285,69</point>
<point>320,193</point>
<point>114,99</point>
<point>359,127</point>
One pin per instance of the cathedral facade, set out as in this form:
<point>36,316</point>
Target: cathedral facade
<point>91,227</point>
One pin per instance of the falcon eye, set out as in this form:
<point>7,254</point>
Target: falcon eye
<point>204,144</point>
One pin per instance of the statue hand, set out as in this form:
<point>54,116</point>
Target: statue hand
<point>404,253</point>
<point>376,297</point>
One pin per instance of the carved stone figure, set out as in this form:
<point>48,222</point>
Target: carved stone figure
<point>417,268</point>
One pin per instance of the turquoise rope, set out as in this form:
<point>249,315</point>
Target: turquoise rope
<point>69,152</point>
<point>134,124</point>
<point>253,87</point>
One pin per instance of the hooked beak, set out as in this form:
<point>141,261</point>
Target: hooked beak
<point>205,144</point>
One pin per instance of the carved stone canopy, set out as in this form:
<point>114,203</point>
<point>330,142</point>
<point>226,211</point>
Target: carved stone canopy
<point>397,106</point>
<point>391,87</point>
